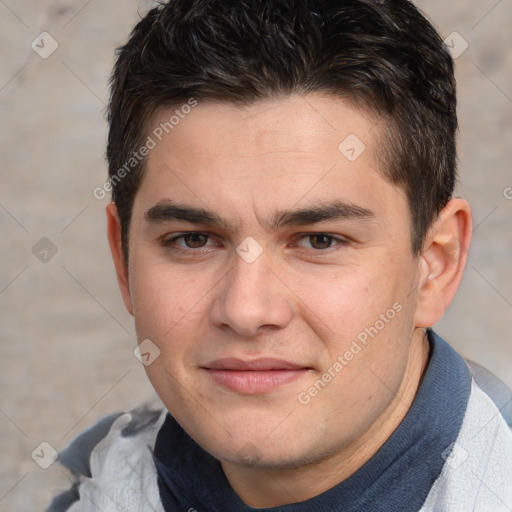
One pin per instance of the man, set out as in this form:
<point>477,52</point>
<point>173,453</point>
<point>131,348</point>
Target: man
<point>285,234</point>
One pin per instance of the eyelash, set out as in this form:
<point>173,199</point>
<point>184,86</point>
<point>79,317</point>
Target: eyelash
<point>170,243</point>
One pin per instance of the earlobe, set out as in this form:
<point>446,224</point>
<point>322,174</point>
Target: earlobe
<point>116,248</point>
<point>442,261</point>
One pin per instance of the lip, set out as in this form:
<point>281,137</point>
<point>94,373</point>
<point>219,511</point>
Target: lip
<point>256,376</point>
<point>260,364</point>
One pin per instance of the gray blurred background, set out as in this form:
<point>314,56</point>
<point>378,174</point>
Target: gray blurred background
<point>66,341</point>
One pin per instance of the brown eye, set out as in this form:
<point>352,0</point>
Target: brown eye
<point>195,240</point>
<point>321,241</point>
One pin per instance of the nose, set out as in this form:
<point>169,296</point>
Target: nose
<point>252,297</point>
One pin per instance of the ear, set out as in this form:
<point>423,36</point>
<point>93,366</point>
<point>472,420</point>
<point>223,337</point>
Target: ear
<point>116,248</point>
<point>442,261</point>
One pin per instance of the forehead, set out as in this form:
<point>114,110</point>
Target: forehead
<point>301,124</point>
<point>269,155</point>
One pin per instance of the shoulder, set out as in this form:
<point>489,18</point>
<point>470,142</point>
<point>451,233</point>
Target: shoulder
<point>494,387</point>
<point>477,474</point>
<point>111,463</point>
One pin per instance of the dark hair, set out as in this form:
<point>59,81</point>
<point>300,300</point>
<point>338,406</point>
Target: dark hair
<point>381,55</point>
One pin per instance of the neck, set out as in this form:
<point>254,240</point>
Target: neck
<point>265,488</point>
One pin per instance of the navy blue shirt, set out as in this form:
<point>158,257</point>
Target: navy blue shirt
<point>398,477</point>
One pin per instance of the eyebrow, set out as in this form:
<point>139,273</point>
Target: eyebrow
<point>168,211</point>
<point>336,210</point>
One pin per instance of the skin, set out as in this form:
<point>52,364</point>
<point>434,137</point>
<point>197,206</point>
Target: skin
<point>304,299</point>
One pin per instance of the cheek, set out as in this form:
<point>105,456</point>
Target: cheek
<point>364,331</point>
<point>362,315</point>
<point>169,311</point>
<point>340,305</point>
<point>167,303</point>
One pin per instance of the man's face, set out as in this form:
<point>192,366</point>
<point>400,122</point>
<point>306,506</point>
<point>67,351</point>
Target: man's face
<point>256,306</point>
